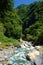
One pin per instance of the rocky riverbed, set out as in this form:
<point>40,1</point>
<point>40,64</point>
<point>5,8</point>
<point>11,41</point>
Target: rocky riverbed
<point>24,54</point>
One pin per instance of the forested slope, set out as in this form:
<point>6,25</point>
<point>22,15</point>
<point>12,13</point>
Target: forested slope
<point>25,21</point>
<point>10,23</point>
<point>32,27</point>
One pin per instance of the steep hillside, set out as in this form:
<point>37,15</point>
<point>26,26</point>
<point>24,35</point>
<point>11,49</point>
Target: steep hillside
<point>22,10</point>
<point>33,23</point>
<point>26,21</point>
<point>10,23</point>
<point>32,27</point>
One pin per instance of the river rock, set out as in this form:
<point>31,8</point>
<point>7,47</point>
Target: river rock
<point>21,64</point>
<point>36,52</point>
<point>0,63</point>
<point>38,47</point>
<point>9,64</point>
<point>38,60</point>
<point>30,56</point>
<point>23,46</point>
<point>31,48</point>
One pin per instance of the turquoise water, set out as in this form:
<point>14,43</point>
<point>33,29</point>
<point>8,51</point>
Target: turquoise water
<point>19,57</point>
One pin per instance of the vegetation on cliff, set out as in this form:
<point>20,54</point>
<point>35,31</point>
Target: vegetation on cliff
<point>26,21</point>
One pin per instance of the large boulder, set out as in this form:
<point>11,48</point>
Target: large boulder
<point>30,56</point>
<point>38,60</point>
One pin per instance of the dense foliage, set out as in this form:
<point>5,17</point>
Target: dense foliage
<point>9,20</point>
<point>25,21</point>
<point>32,17</point>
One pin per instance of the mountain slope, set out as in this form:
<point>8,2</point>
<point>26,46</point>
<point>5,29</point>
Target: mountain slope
<point>10,23</point>
<point>32,27</point>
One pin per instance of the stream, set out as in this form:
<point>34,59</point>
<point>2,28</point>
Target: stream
<point>19,56</point>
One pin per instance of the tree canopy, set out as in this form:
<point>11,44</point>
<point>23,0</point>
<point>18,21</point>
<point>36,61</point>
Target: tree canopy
<point>25,21</point>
